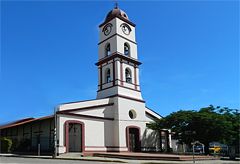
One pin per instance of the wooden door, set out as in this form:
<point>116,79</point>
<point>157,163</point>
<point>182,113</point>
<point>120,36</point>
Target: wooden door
<point>75,137</point>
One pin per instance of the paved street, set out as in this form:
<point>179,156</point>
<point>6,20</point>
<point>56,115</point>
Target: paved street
<point>17,160</point>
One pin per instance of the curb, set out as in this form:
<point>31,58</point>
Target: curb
<point>59,158</point>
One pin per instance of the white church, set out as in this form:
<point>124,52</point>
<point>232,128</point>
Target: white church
<point>116,121</point>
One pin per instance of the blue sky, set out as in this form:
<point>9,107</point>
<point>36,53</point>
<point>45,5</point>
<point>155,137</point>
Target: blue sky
<point>189,51</point>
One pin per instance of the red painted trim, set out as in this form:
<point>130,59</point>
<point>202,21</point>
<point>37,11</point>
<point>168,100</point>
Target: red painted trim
<point>91,153</point>
<point>105,147</point>
<point>122,81</point>
<point>67,135</point>
<point>119,86</point>
<point>83,108</point>
<point>121,73</point>
<point>114,77</point>
<point>88,151</point>
<point>86,116</point>
<point>127,136</point>
<point>135,77</point>
<point>106,83</point>
<point>125,61</point>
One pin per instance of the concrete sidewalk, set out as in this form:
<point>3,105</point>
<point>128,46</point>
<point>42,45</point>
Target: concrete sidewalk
<point>116,160</point>
<point>97,159</point>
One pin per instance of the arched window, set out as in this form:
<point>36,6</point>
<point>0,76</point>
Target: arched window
<point>107,49</point>
<point>126,49</point>
<point>128,75</point>
<point>108,76</point>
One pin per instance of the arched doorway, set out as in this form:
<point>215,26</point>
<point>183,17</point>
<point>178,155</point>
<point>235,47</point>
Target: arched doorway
<point>74,139</point>
<point>133,138</point>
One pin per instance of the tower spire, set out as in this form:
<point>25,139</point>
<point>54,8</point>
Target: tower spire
<point>116,4</point>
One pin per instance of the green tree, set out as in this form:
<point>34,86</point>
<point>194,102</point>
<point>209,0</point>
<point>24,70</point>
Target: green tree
<point>206,125</point>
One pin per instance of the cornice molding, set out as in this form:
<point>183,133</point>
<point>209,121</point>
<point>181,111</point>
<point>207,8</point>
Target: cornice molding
<point>127,97</point>
<point>123,19</point>
<point>116,34</point>
<point>86,116</point>
<point>83,108</point>
<point>117,55</point>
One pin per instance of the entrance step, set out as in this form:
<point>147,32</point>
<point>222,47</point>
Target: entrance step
<point>71,155</point>
<point>152,156</point>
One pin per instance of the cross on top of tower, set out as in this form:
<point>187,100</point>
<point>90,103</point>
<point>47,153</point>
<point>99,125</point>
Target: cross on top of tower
<point>116,4</point>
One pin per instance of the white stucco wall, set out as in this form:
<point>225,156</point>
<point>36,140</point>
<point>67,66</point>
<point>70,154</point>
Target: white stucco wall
<point>120,46</point>
<point>113,47</point>
<point>117,41</point>
<point>83,104</point>
<point>120,91</point>
<point>109,133</point>
<point>122,115</point>
<point>102,37</point>
<point>106,111</point>
<point>97,133</point>
<point>131,36</point>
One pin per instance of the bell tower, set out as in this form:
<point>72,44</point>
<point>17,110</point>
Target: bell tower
<point>118,65</point>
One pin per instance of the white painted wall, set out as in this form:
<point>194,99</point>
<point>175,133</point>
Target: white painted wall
<point>102,37</point>
<point>104,73</point>
<point>97,133</point>
<point>124,105</point>
<point>121,91</point>
<point>131,36</point>
<point>120,47</point>
<point>83,104</point>
<point>109,133</point>
<point>130,85</point>
<point>117,41</point>
<point>107,112</point>
<point>113,47</point>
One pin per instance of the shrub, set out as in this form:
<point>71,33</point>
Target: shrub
<point>5,144</point>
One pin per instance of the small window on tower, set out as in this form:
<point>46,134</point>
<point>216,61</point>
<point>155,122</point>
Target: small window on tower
<point>128,75</point>
<point>107,49</point>
<point>108,76</point>
<point>126,49</point>
<point>132,114</point>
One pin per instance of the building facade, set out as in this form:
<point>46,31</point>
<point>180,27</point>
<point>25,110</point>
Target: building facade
<point>116,120</point>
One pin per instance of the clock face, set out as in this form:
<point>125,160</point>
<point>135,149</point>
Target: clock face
<point>107,29</point>
<point>125,28</point>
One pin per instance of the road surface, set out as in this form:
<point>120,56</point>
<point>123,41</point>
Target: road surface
<point>19,160</point>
